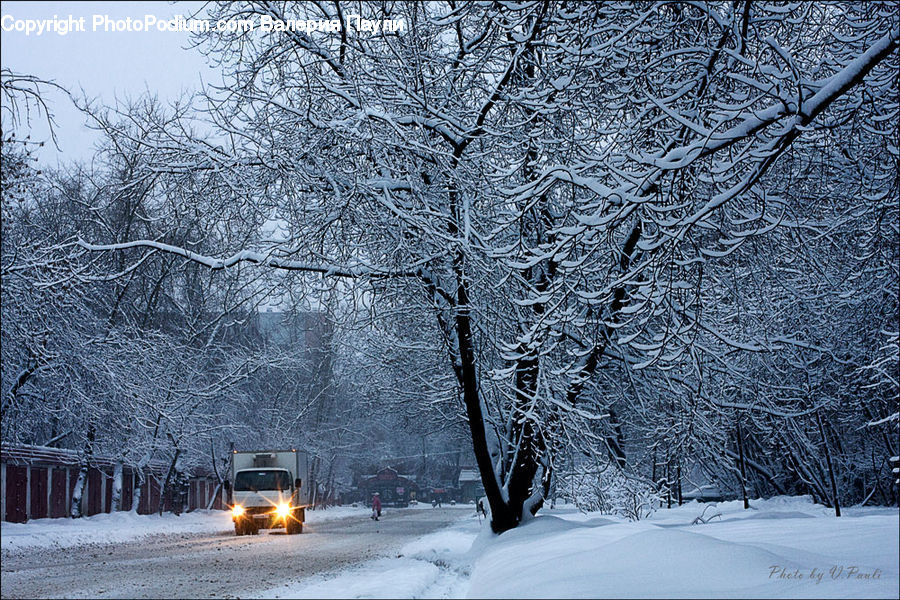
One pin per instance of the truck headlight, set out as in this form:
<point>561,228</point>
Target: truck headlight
<point>283,510</point>
<point>237,510</point>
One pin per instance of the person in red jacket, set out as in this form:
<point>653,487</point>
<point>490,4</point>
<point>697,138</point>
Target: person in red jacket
<point>376,506</point>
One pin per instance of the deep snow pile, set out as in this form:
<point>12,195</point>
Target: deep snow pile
<point>780,548</point>
<point>127,526</point>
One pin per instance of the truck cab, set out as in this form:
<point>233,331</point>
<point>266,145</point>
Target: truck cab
<point>267,491</point>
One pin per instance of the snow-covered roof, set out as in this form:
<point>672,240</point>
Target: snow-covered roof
<point>27,454</point>
<point>704,491</point>
<point>469,475</point>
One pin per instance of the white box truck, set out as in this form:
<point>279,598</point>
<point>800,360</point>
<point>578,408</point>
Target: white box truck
<point>268,490</point>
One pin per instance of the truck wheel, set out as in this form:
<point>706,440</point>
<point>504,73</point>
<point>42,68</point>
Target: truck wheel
<point>238,528</point>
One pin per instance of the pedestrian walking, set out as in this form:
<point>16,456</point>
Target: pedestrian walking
<point>376,506</point>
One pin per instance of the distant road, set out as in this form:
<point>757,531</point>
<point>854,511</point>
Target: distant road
<point>219,566</point>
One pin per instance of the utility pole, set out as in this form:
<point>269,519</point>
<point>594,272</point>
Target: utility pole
<point>423,458</point>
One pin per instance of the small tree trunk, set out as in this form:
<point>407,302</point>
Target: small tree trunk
<point>219,478</point>
<point>167,486</point>
<point>139,485</point>
<point>834,492</point>
<point>668,482</point>
<point>215,495</point>
<point>678,483</point>
<point>75,510</point>
<point>313,485</point>
<point>743,466</point>
<point>329,481</point>
<point>117,488</point>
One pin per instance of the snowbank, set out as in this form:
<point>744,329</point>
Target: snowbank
<point>781,548</point>
<point>127,526</point>
<point>107,529</point>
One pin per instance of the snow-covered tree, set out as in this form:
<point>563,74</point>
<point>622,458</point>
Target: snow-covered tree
<point>584,207</point>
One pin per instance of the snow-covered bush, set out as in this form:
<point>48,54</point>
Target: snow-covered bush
<point>610,491</point>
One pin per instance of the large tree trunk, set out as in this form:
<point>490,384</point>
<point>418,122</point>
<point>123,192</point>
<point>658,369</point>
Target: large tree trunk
<point>502,517</point>
<point>529,444</point>
<point>506,508</point>
<point>530,447</point>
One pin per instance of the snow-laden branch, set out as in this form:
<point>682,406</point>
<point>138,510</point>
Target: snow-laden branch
<point>266,260</point>
<point>836,87</point>
<point>257,258</point>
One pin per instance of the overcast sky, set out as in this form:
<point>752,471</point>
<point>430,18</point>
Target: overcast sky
<point>104,65</point>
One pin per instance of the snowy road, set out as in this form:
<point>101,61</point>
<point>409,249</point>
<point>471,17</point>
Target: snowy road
<point>221,566</point>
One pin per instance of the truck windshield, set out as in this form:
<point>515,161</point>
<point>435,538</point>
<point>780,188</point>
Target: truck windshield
<point>255,481</point>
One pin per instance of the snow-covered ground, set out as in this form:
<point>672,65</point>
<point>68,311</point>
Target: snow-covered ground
<point>218,564</point>
<point>127,526</point>
<point>780,548</point>
<point>434,566</point>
